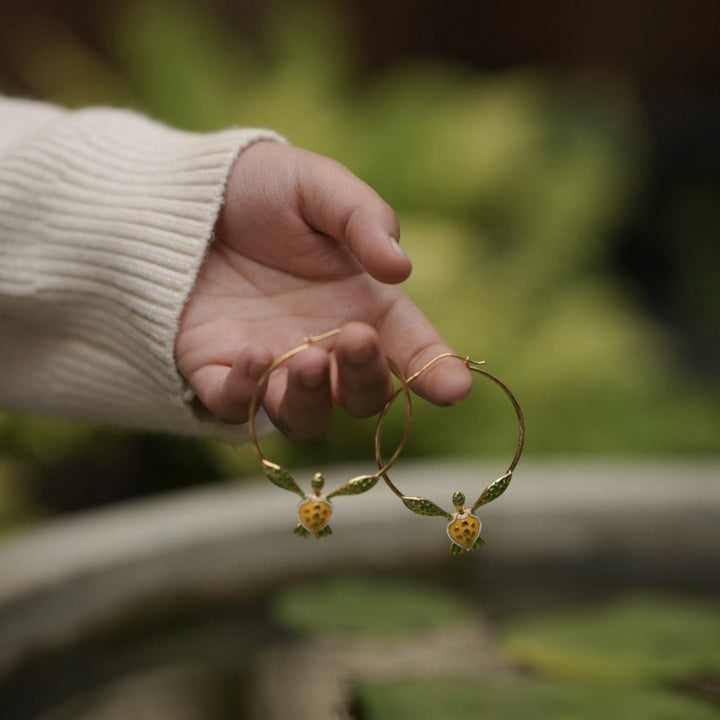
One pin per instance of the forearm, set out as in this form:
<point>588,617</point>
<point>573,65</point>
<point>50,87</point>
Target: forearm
<point>105,218</point>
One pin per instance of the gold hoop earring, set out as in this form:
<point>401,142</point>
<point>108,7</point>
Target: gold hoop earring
<point>464,525</point>
<point>315,508</point>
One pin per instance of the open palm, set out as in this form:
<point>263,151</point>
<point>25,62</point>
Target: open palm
<point>301,247</point>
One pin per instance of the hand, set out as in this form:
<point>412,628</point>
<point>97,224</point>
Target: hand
<point>303,246</point>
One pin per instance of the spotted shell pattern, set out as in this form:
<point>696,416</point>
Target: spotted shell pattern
<point>314,513</point>
<point>464,529</point>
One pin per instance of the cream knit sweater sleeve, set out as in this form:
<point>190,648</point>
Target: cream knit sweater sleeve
<point>105,217</point>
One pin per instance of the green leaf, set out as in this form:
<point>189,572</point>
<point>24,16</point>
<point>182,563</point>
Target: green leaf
<point>462,698</point>
<point>641,639</point>
<point>369,606</point>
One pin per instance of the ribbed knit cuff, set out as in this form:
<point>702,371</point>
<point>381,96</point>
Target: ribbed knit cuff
<point>105,217</point>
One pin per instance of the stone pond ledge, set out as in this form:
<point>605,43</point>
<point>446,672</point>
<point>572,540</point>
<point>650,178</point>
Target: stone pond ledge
<point>63,578</point>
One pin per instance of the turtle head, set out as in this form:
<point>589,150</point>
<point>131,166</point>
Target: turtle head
<point>458,499</point>
<point>317,483</point>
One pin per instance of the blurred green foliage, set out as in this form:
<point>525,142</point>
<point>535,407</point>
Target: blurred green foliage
<point>636,656</point>
<point>632,641</point>
<point>508,187</point>
<point>438,699</point>
<point>374,607</point>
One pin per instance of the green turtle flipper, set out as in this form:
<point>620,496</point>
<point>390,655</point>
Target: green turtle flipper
<point>281,477</point>
<point>423,506</point>
<point>493,490</point>
<point>356,486</point>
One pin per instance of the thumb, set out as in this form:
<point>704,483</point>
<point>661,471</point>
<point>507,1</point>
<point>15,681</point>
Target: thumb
<point>335,202</point>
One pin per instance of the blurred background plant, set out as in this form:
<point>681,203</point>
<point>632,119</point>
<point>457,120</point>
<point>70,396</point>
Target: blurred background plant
<point>562,216</point>
<point>637,655</point>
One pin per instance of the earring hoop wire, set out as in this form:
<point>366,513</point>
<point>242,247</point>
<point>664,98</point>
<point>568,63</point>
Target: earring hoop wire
<point>315,508</point>
<point>464,526</point>
<point>280,360</point>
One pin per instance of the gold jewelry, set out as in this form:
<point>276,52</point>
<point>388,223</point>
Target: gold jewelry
<point>464,525</point>
<point>315,508</point>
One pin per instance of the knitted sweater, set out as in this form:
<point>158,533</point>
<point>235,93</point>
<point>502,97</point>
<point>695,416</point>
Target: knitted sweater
<point>105,217</point>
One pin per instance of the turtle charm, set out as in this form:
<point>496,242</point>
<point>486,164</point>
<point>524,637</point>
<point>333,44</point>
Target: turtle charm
<point>463,524</point>
<point>315,509</point>
<point>464,527</point>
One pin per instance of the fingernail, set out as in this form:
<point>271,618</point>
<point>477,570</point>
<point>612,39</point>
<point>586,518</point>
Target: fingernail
<point>395,245</point>
<point>256,368</point>
<point>313,379</point>
<point>361,354</point>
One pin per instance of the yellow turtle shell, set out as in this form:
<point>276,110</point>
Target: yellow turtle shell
<point>464,529</point>
<point>314,512</point>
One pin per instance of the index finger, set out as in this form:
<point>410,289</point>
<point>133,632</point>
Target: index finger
<point>411,340</point>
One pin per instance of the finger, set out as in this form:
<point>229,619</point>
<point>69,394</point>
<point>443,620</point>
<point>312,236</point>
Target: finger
<point>226,391</point>
<point>337,203</point>
<point>409,338</point>
<point>364,383</point>
<point>302,409</point>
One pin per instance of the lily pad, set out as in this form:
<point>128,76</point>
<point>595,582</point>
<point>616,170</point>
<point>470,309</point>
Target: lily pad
<point>369,606</point>
<point>460,699</point>
<point>634,640</point>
